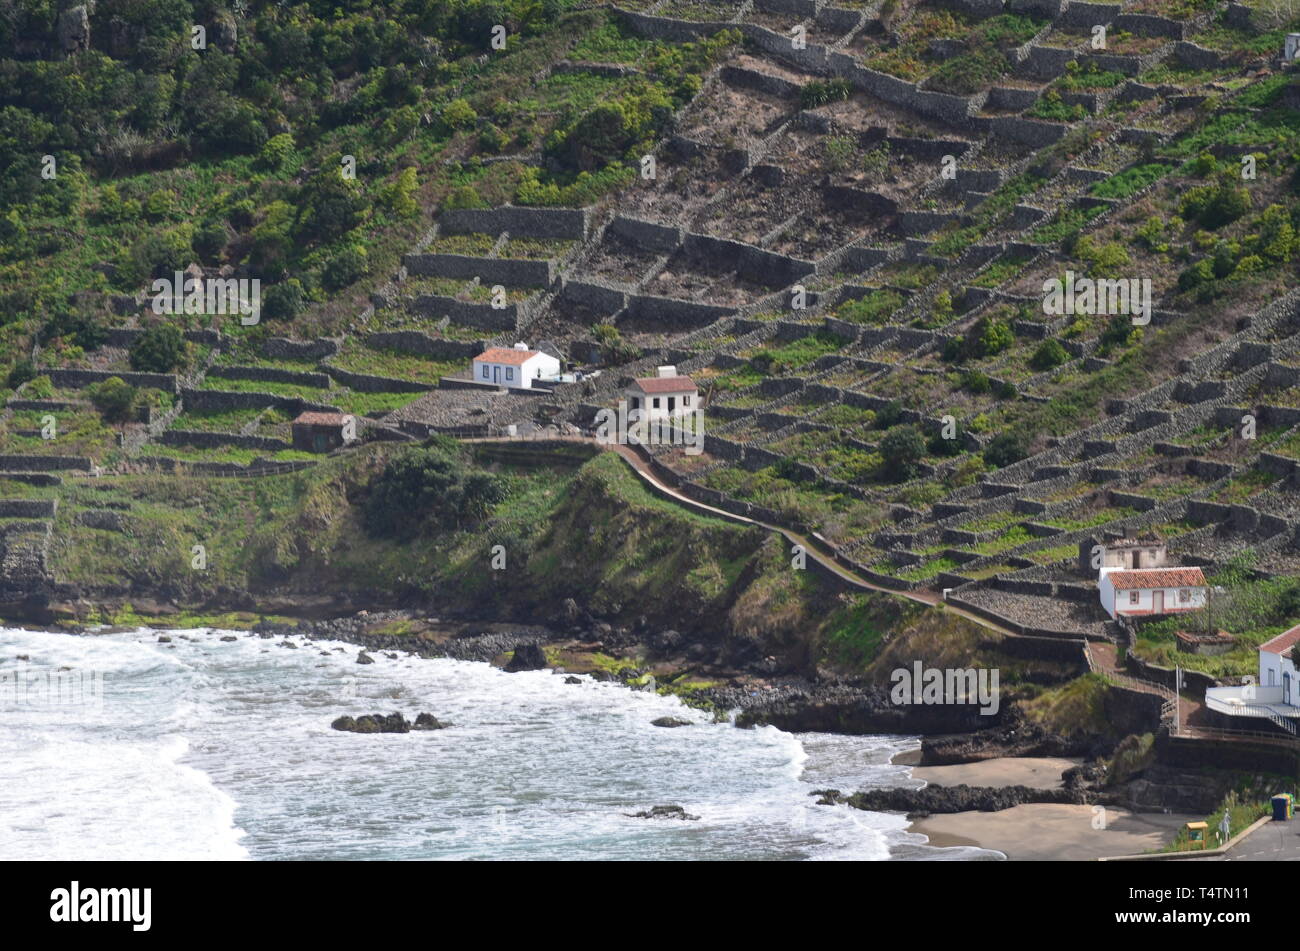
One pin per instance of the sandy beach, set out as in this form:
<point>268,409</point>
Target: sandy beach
<point>1037,772</point>
<point>1040,832</point>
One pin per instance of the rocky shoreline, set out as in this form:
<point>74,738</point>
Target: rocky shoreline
<point>949,735</point>
<point>790,702</point>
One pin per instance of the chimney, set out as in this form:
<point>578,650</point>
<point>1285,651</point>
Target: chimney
<point>667,371</point>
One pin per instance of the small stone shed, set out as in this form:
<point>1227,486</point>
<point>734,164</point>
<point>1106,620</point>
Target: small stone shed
<point>323,432</point>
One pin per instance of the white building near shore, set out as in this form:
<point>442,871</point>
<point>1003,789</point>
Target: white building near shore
<point>1277,695</point>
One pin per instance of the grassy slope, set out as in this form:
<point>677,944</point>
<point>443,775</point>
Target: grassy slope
<point>587,530</point>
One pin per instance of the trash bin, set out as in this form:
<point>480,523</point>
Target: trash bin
<point>1283,807</point>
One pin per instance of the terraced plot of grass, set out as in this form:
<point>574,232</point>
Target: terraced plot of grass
<point>226,421</point>
<point>395,363</point>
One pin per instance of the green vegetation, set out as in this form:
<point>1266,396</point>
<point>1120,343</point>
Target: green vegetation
<point>874,308</point>
<point>433,482</point>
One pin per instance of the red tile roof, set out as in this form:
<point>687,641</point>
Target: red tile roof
<point>1157,578</point>
<point>506,355</point>
<point>666,384</point>
<point>1283,642</point>
<point>320,419</point>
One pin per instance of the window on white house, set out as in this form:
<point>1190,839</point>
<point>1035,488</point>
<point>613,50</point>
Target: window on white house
<point>485,371</point>
<point>510,373</point>
<point>686,401</point>
<point>1133,597</point>
<point>655,404</point>
<point>1184,594</point>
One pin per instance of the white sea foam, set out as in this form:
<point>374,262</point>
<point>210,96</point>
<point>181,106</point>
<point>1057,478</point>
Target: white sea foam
<point>205,748</point>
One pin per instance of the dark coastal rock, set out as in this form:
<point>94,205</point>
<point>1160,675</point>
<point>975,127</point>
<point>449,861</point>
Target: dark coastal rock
<point>287,644</point>
<point>943,799</point>
<point>427,721</point>
<point>230,637</point>
<point>374,723</point>
<point>527,657</point>
<point>164,639</point>
<point>573,680</point>
<point>670,722</point>
<point>661,812</point>
<point>364,658</point>
<point>666,641</point>
<point>1171,789</point>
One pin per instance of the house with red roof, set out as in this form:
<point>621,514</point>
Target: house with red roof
<point>1143,592</point>
<point>663,396</point>
<point>515,367</point>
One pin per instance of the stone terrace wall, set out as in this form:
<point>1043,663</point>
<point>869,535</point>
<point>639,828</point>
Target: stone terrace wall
<point>45,463</point>
<point>512,272</point>
<point>209,440</point>
<point>369,383</point>
<point>561,223</point>
<point>766,267</point>
<point>647,234</point>
<point>271,375</point>
<point>217,401</point>
<point>76,379</point>
<point>28,508</point>
<point>674,313</point>
<point>469,314</point>
<point>282,348</point>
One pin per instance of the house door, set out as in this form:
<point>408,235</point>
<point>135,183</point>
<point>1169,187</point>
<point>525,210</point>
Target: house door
<point>1286,688</point>
<point>1158,602</point>
<point>1137,559</point>
<point>672,403</point>
<point>496,374</point>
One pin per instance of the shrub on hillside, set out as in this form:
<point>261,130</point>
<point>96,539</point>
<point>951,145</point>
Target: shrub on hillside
<point>283,301</point>
<point>159,349</point>
<point>114,398</point>
<point>900,450</point>
<point>432,483</point>
<point>1005,449</point>
<point>1049,355</point>
<point>344,267</point>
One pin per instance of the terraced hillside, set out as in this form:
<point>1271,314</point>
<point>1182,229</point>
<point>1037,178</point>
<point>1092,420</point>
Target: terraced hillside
<point>837,217</point>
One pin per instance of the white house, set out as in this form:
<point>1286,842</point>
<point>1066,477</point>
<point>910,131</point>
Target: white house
<point>1135,553</point>
<point>662,396</point>
<point>516,367</point>
<point>1278,692</point>
<point>1139,592</point>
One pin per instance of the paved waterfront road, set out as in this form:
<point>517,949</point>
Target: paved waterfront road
<point>1271,842</point>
